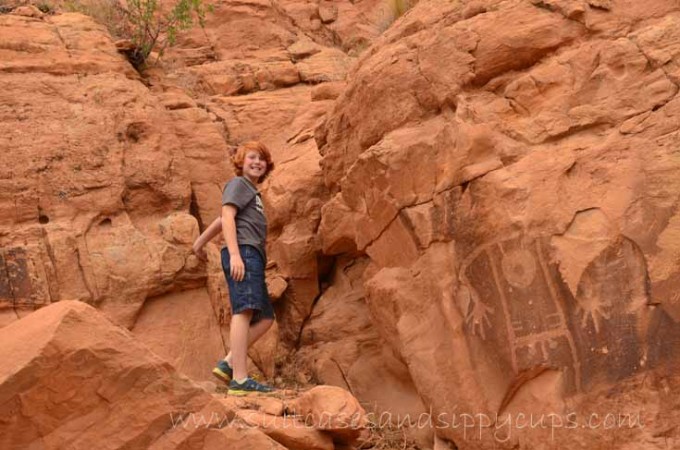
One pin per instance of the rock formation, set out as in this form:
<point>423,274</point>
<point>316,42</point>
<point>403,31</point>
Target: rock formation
<point>514,187</point>
<point>474,214</point>
<point>85,382</point>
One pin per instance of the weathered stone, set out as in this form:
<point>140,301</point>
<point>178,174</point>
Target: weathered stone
<point>328,91</point>
<point>328,12</point>
<point>332,410</point>
<point>56,381</point>
<point>326,65</point>
<point>267,405</point>
<point>288,431</point>
<point>105,177</point>
<point>28,11</point>
<point>182,328</point>
<point>505,185</point>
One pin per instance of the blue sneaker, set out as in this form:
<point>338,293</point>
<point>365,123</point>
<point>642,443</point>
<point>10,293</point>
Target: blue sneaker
<point>247,387</point>
<point>223,371</point>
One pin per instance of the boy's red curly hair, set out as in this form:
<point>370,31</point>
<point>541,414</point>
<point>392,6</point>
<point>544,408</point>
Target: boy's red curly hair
<point>240,156</point>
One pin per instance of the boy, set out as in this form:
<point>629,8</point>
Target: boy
<point>244,227</point>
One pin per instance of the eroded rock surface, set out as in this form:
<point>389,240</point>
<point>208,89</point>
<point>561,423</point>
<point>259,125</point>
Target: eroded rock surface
<point>514,186</point>
<point>96,190</point>
<point>86,382</point>
<point>478,214</point>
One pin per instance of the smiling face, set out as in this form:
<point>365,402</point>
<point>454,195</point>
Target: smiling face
<point>253,161</point>
<point>254,165</point>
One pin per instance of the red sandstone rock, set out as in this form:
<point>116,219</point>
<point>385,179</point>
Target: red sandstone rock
<point>333,410</point>
<point>182,328</point>
<point>340,346</point>
<point>276,286</point>
<point>28,11</point>
<point>328,12</point>
<point>235,437</point>
<point>498,163</point>
<point>288,431</point>
<point>294,197</point>
<point>328,91</point>
<point>272,406</point>
<point>303,48</point>
<point>326,65</point>
<point>233,77</point>
<point>84,382</point>
<point>103,211</point>
<point>92,196</point>
<point>496,185</point>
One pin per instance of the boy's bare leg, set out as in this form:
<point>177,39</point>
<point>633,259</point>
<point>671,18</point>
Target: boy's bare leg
<point>238,338</point>
<point>255,332</point>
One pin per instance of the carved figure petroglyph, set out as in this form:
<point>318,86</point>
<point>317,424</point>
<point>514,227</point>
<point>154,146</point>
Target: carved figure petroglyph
<point>517,306</point>
<point>511,299</point>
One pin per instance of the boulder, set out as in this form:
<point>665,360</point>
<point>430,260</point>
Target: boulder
<point>288,431</point>
<point>333,410</point>
<point>84,382</point>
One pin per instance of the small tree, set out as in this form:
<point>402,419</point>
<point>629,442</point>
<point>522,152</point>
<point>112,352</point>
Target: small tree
<point>152,29</point>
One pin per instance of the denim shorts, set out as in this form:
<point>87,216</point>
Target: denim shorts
<point>251,293</point>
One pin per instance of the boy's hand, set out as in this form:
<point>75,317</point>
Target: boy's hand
<point>238,269</point>
<point>200,253</point>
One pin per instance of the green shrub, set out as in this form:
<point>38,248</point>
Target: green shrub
<point>148,26</point>
<point>152,29</point>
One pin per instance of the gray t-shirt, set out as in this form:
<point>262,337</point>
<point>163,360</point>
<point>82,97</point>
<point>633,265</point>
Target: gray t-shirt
<point>251,223</point>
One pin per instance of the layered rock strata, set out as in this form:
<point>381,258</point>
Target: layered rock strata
<point>514,188</point>
<point>86,382</point>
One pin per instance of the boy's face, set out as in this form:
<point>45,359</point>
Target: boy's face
<point>254,166</point>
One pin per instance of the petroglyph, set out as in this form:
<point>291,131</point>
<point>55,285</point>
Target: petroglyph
<point>519,267</point>
<point>520,310</point>
<point>592,307</point>
<point>512,300</point>
<point>478,319</point>
<point>22,278</point>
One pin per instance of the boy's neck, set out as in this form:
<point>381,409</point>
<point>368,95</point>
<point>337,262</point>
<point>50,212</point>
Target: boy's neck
<point>253,182</point>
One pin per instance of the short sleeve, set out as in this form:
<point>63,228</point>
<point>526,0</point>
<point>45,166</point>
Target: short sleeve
<point>237,193</point>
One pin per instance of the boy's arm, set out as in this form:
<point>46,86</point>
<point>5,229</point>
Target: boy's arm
<point>210,232</point>
<point>237,268</point>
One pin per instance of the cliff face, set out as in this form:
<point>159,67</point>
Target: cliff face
<point>514,190</point>
<point>474,211</point>
<point>93,173</point>
<point>108,177</point>
<point>97,176</point>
